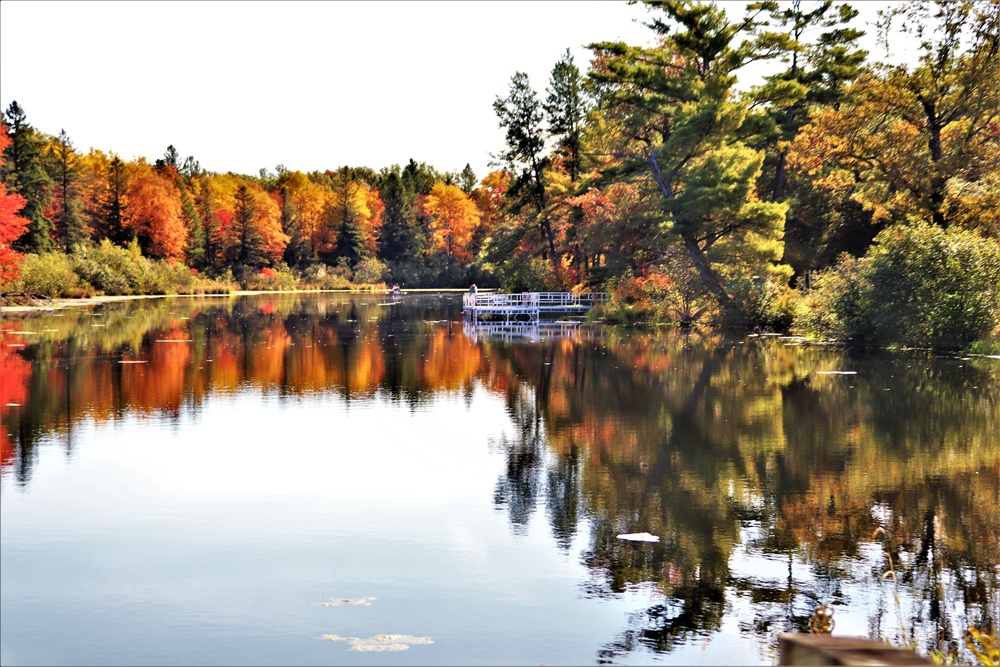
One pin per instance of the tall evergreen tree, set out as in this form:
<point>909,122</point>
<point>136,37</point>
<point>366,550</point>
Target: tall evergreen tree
<point>401,234</point>
<point>566,110</point>
<point>521,117</point>
<point>113,204</point>
<point>245,226</point>
<point>467,179</point>
<point>24,174</point>
<point>64,168</point>
<point>205,208</point>
<point>818,70</point>
<point>297,250</point>
<point>195,249</point>
<point>350,237</point>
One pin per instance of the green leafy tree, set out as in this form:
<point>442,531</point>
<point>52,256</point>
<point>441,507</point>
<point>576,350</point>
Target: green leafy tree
<point>672,112</point>
<point>919,142</point>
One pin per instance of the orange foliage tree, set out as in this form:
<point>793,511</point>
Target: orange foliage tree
<point>155,213</point>
<point>453,219</point>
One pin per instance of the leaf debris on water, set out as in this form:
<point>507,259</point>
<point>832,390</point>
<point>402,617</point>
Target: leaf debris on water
<point>338,602</point>
<point>639,537</point>
<point>380,642</point>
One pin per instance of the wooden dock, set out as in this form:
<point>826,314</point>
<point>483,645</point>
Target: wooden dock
<point>529,306</point>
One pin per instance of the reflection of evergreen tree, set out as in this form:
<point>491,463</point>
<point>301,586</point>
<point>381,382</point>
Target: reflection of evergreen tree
<point>518,488</point>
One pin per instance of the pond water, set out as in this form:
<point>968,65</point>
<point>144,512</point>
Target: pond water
<point>343,479</point>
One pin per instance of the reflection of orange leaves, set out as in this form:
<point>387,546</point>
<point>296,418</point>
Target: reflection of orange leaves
<point>225,364</point>
<point>451,362</point>
<point>267,360</point>
<point>159,385</point>
<point>367,366</point>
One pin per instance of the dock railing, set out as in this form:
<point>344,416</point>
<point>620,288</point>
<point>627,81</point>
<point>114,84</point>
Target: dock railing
<point>530,304</point>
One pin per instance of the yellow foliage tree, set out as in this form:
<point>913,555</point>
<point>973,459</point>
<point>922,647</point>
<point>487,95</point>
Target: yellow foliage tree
<point>453,219</point>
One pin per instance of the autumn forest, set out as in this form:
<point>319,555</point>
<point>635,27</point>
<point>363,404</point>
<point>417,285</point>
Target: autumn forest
<point>654,175</point>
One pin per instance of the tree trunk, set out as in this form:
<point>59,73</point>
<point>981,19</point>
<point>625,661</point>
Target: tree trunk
<point>706,273</point>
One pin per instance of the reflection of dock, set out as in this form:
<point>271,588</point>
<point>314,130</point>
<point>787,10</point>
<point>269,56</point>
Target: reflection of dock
<point>529,306</point>
<point>525,331</point>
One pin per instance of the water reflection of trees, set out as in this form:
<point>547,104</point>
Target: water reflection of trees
<point>736,453</point>
<point>159,357</point>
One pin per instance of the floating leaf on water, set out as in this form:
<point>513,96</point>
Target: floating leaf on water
<point>639,537</point>
<point>133,361</point>
<point>338,602</point>
<point>169,340</point>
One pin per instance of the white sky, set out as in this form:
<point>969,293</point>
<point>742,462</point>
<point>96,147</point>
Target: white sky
<point>311,85</point>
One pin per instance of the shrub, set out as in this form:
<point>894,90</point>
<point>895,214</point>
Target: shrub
<point>50,274</point>
<point>269,279</point>
<point>114,270</point>
<point>320,276</point>
<point>524,274</point>
<point>370,271</point>
<point>919,285</point>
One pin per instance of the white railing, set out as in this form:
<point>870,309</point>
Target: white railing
<point>533,300</point>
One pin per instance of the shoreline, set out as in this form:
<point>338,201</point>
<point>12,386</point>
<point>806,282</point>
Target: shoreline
<point>58,304</point>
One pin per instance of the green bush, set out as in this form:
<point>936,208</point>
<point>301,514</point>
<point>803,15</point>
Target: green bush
<point>919,285</point>
<point>50,274</point>
<point>114,270</point>
<point>370,271</point>
<point>524,274</point>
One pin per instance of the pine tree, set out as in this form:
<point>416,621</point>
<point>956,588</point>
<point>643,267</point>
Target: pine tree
<point>113,203</point>
<point>401,233</point>
<point>566,110</point>
<point>521,117</point>
<point>24,174</point>
<point>467,180</point>
<point>65,171</point>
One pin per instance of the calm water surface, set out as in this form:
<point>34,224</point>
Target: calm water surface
<point>257,480</point>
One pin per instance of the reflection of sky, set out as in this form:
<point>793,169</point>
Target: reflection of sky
<point>209,538</point>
